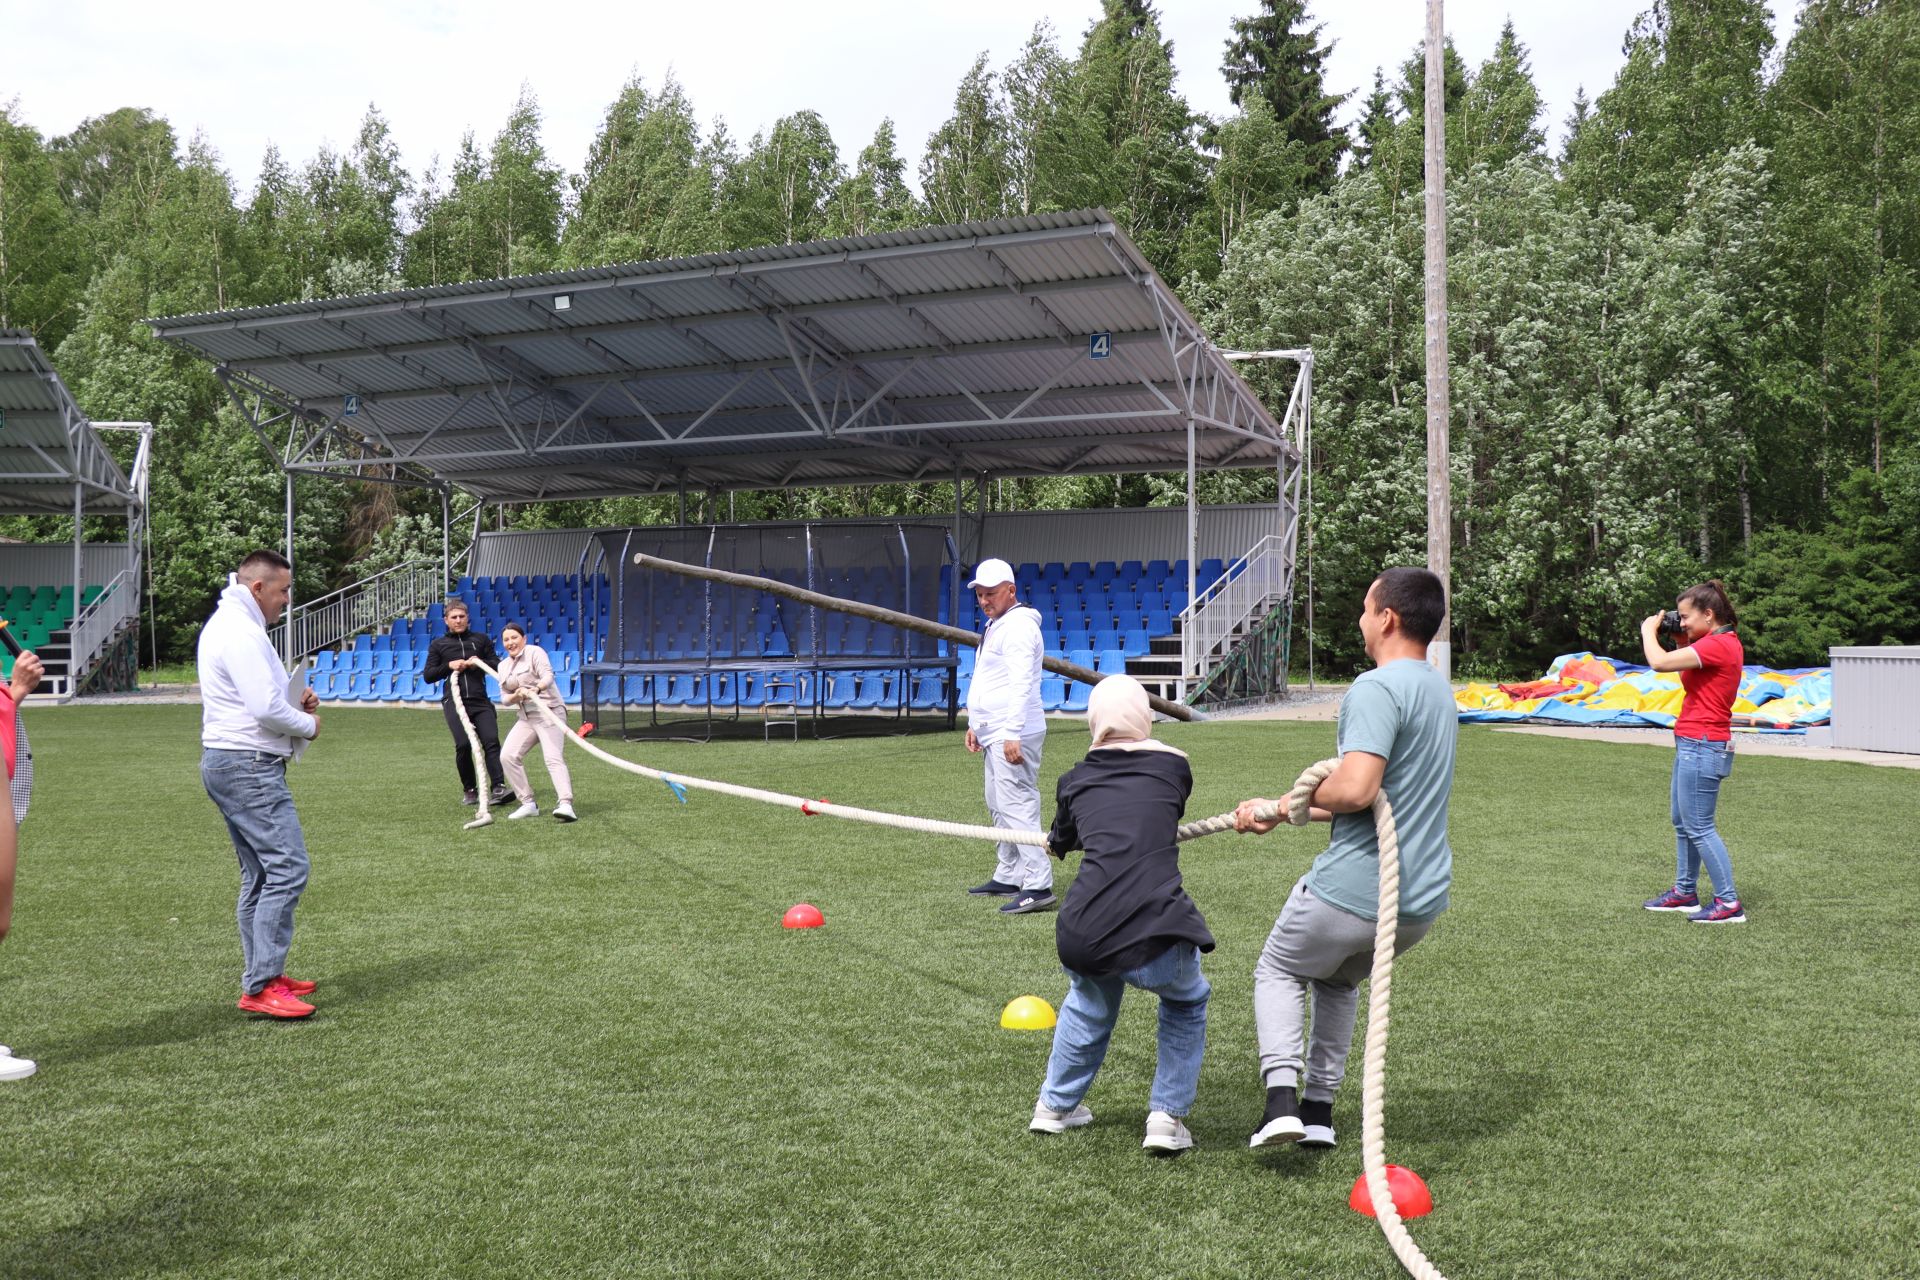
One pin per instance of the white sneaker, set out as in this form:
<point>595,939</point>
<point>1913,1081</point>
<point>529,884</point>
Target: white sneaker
<point>1047,1120</point>
<point>12,1068</point>
<point>526,810</point>
<point>563,812</point>
<point>1166,1135</point>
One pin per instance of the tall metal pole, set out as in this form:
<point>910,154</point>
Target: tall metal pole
<point>446,541</point>
<point>1439,494</point>
<point>1193,555</point>
<point>286,629</point>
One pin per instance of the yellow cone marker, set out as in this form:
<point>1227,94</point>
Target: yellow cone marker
<point>1028,1013</point>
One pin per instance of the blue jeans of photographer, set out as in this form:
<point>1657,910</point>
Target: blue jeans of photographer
<point>250,790</point>
<point>1699,767</point>
<point>1092,1007</point>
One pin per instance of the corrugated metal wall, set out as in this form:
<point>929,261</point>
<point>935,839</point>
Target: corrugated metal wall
<point>33,564</point>
<point>1876,698</point>
<point>1125,533</point>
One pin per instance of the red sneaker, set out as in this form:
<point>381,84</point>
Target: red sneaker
<point>295,986</point>
<point>275,1003</point>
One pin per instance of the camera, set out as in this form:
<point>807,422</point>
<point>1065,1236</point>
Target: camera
<point>1671,626</point>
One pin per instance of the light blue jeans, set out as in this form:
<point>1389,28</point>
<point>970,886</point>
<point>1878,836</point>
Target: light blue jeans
<point>1091,1008</point>
<point>250,790</point>
<point>1699,767</point>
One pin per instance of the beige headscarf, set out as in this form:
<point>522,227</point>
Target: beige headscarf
<point>1119,718</point>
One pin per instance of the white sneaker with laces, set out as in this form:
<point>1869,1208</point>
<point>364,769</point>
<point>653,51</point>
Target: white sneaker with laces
<point>563,812</point>
<point>12,1068</point>
<point>1047,1120</point>
<point>527,810</point>
<point>1166,1135</point>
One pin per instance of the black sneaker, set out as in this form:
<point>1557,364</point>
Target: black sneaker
<point>1030,900</point>
<point>1317,1119</point>
<point>1281,1122</point>
<point>471,797</point>
<point>500,794</point>
<point>995,889</point>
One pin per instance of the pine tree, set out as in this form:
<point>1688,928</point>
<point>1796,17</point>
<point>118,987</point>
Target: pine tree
<point>1277,56</point>
<point>1377,123</point>
<point>1499,116</point>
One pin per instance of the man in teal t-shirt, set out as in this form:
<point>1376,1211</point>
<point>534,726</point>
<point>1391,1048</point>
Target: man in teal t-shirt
<point>1397,729</point>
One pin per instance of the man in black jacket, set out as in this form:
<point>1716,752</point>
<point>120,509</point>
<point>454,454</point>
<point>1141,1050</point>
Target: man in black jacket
<point>447,659</point>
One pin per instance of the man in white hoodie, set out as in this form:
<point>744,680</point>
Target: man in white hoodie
<point>248,731</point>
<point>1007,725</point>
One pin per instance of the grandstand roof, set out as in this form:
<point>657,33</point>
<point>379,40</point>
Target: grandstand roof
<point>47,446</point>
<point>1039,345</point>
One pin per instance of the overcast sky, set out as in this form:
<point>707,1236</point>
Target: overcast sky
<point>300,75</point>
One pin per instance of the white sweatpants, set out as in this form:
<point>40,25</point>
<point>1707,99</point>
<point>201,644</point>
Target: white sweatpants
<point>1013,801</point>
<point>513,757</point>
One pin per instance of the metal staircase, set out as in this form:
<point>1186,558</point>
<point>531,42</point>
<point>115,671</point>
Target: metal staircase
<point>1235,637</point>
<point>368,605</point>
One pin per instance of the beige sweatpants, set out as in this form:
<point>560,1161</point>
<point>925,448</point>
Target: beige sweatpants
<point>513,757</point>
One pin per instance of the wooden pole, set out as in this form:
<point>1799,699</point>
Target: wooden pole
<point>905,621</point>
<point>1439,480</point>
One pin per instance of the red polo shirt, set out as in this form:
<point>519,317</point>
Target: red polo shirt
<point>1707,710</point>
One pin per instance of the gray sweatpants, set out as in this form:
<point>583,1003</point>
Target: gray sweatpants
<point>1319,948</point>
<point>1013,800</point>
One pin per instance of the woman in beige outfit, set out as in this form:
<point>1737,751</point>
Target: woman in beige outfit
<point>525,675</point>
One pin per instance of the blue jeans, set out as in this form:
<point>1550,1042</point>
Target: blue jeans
<point>1092,1007</point>
<point>1699,767</point>
<point>250,790</point>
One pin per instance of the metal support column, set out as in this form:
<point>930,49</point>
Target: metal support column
<point>1193,556</point>
<point>79,572</point>
<point>446,541</point>
<point>286,632</point>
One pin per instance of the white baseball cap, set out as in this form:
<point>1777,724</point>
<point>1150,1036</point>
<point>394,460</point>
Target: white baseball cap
<point>991,573</point>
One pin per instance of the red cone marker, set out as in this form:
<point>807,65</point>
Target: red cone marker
<point>1410,1194</point>
<point>802,915</point>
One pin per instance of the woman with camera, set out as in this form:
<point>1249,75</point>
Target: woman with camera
<point>1708,660</point>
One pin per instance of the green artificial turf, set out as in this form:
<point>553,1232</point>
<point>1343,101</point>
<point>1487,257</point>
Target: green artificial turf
<point>591,1050</point>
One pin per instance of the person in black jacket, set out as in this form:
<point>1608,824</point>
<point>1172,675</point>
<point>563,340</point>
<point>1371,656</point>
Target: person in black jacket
<point>448,656</point>
<point>1126,921</point>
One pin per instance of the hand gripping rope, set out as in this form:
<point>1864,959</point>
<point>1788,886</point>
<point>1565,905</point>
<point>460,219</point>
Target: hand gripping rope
<point>1295,808</point>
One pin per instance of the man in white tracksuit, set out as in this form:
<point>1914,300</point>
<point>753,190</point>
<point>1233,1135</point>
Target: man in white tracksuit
<point>1006,724</point>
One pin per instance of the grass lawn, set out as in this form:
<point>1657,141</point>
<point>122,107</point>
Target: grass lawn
<point>591,1050</point>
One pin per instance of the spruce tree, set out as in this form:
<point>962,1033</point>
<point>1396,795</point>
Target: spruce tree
<point>1277,56</point>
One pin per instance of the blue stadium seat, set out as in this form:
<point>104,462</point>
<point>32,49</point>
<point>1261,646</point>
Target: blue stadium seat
<point>720,688</point>
<point>1113,662</point>
<point>383,688</point>
<point>640,689</point>
<point>1157,573</point>
<point>1159,623</point>
<point>968,654</point>
<point>359,687</point>
<point>1053,692</point>
<point>323,661</point>
<point>872,692</point>
<point>928,693</point>
<point>1079,573</point>
<point>1076,699</point>
<point>1130,573</point>
<point>571,694</point>
<point>1053,572</point>
<point>1136,642</point>
<point>1076,638</point>
<point>383,660</point>
<point>360,659</point>
<point>382,644</point>
<point>1107,638</point>
<point>406,686</point>
<point>1081,658</point>
<point>1104,572</point>
<point>840,690</point>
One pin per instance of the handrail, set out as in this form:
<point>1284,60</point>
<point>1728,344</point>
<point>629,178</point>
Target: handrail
<point>95,626</point>
<point>375,601</point>
<point>1213,620</point>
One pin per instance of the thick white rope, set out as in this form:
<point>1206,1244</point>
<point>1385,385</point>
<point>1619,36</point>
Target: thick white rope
<point>1373,1132</point>
<point>1296,808</point>
<point>900,821</point>
<point>482,786</point>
